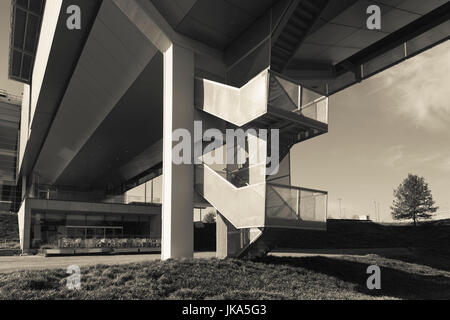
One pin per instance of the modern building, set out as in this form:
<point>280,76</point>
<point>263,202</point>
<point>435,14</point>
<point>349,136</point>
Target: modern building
<point>9,139</point>
<point>108,83</point>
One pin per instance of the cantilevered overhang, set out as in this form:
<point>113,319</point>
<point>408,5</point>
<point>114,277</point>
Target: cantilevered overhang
<point>113,57</point>
<point>213,22</point>
<point>26,17</point>
<point>324,45</point>
<point>127,142</point>
<point>339,50</point>
<point>57,55</point>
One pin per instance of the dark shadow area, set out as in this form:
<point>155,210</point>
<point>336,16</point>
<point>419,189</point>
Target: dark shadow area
<point>394,283</point>
<point>205,237</point>
<point>429,242</point>
<point>427,256</point>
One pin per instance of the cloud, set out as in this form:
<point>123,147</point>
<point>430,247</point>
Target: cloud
<point>393,155</point>
<point>399,157</point>
<point>445,164</point>
<point>420,87</point>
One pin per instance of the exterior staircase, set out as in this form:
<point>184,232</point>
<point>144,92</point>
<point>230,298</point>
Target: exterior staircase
<point>257,208</point>
<point>297,26</point>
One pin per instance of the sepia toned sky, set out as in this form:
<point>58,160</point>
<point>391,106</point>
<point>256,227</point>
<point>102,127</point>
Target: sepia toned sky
<point>395,123</point>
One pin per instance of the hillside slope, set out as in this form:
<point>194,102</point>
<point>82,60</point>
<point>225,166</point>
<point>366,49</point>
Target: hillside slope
<point>9,229</point>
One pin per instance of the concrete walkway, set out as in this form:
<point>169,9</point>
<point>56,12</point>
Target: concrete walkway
<point>11,264</point>
<point>342,252</point>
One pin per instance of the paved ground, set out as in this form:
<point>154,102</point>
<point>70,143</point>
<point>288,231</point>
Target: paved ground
<point>341,252</point>
<point>11,264</point>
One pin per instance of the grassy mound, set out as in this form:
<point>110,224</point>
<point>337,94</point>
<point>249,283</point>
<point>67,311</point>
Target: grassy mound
<point>270,278</point>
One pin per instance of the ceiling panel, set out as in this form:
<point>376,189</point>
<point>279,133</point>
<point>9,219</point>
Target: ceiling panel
<point>396,19</point>
<point>310,51</point>
<point>202,33</point>
<point>252,8</point>
<point>221,16</point>
<point>213,22</point>
<point>354,16</point>
<point>420,6</point>
<point>336,54</point>
<point>330,34</point>
<point>391,3</point>
<point>362,38</point>
<point>174,11</point>
<point>347,32</point>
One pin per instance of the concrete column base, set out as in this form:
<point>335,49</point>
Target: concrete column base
<point>228,238</point>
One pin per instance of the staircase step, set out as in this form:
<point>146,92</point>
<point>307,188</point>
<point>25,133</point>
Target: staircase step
<point>312,6</point>
<point>280,51</point>
<point>303,13</point>
<point>294,30</point>
<point>287,41</point>
<point>298,22</point>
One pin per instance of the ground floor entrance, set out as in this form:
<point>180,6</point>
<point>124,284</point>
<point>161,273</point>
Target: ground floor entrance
<point>78,227</point>
<point>55,230</point>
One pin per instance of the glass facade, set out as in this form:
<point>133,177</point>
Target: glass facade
<point>72,230</point>
<point>9,134</point>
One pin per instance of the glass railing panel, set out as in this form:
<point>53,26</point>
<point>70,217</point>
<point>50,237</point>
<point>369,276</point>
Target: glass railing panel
<point>282,203</point>
<point>317,110</point>
<point>322,110</point>
<point>289,96</point>
<point>283,94</point>
<point>309,96</point>
<point>292,90</point>
<point>294,207</point>
<point>314,106</point>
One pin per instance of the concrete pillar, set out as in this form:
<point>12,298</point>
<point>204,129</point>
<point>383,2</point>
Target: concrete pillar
<point>178,180</point>
<point>228,238</point>
<point>24,217</point>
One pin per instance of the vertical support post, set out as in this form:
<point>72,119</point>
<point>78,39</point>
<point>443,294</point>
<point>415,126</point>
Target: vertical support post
<point>178,180</point>
<point>228,238</point>
<point>24,221</point>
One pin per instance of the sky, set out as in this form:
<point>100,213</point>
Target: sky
<point>392,124</point>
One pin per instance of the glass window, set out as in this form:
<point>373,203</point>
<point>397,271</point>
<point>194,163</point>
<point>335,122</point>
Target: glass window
<point>76,220</point>
<point>92,221</point>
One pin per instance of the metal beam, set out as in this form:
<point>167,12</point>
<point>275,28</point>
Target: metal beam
<point>395,39</point>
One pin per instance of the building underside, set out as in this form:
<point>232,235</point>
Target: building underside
<point>100,105</point>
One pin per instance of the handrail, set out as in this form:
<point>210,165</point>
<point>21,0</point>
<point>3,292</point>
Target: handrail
<point>296,188</point>
<point>285,92</point>
<point>309,104</point>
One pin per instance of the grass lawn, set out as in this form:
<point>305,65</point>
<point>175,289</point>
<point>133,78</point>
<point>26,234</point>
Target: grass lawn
<point>270,278</point>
